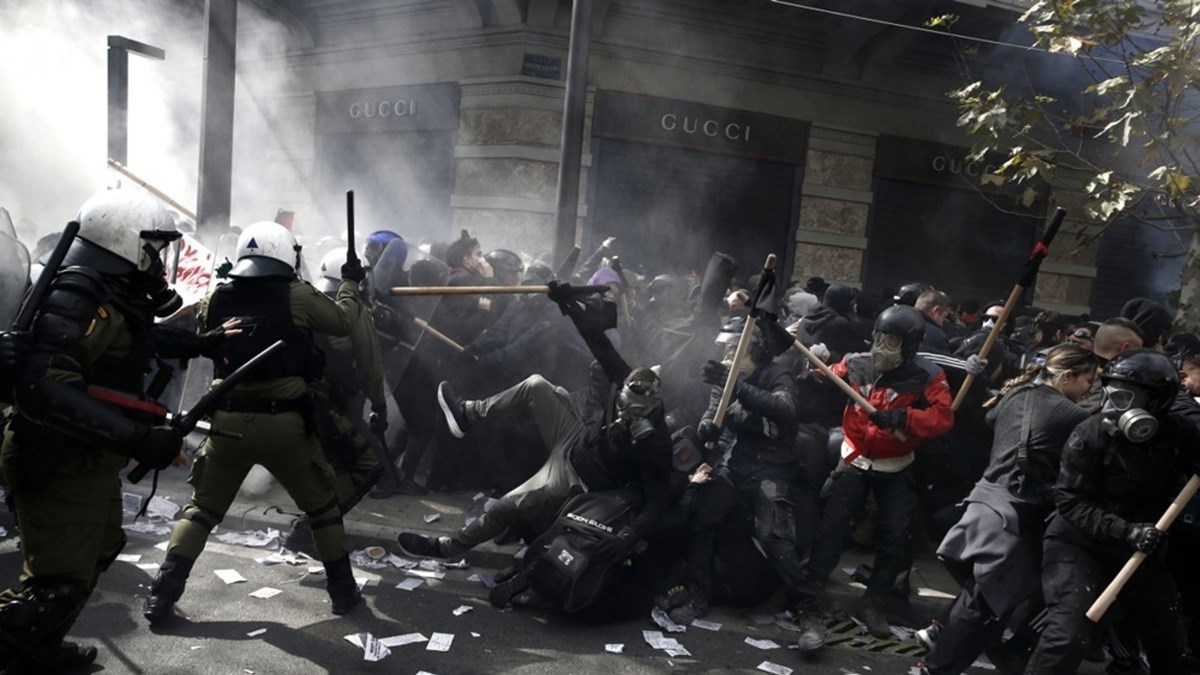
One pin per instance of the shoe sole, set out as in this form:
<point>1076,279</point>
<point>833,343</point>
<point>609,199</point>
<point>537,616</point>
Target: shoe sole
<point>455,431</point>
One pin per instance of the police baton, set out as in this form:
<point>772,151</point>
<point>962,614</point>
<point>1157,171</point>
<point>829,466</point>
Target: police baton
<point>185,422</point>
<point>351,254</point>
<point>1028,274</point>
<point>1106,599</point>
<point>38,293</point>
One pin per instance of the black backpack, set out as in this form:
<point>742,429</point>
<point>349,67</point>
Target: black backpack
<point>558,565</point>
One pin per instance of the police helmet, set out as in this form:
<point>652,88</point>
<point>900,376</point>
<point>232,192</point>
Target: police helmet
<point>904,322</point>
<point>266,249</point>
<point>1148,370</point>
<point>122,231</point>
<point>908,293</point>
<point>376,242</point>
<point>505,263</point>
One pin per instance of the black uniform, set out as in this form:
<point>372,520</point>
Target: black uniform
<point>1107,483</point>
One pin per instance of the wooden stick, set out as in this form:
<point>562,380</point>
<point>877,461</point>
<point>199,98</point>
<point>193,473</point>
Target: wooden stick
<point>1106,599</point>
<point>743,347</point>
<point>119,168</point>
<point>842,384</point>
<point>489,290</point>
<point>993,335</point>
<point>441,337</point>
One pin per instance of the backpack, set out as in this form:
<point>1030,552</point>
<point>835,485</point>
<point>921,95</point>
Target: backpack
<point>558,566</point>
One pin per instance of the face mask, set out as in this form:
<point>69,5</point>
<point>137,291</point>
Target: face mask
<point>633,412</point>
<point>886,352</point>
<point>1125,412</point>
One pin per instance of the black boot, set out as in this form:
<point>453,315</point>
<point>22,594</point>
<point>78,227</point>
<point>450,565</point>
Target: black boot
<point>343,589</point>
<point>300,538</point>
<point>167,588</point>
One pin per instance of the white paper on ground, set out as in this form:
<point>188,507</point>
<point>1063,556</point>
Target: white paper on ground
<point>460,565</point>
<point>229,576</point>
<point>255,539</point>
<point>462,609</point>
<point>163,508</point>
<point>706,625</point>
<point>361,581</point>
<point>440,642</point>
<point>265,592</point>
<point>762,644</point>
<point>410,583</point>
<point>614,648</point>
<point>162,545</point>
<point>483,578</point>
<point>774,668</point>
<point>426,574</point>
<point>432,517</point>
<point>256,633</point>
<point>398,562</point>
<point>676,652</point>
<point>147,527</point>
<point>147,566</point>
<point>129,557</point>
<point>401,640</point>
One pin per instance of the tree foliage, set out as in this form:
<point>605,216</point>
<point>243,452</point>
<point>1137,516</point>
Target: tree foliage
<point>1130,137</point>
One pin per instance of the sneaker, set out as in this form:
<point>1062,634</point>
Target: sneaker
<point>422,546</point>
<point>928,635</point>
<point>452,408</point>
<point>813,632</point>
<point>877,626</point>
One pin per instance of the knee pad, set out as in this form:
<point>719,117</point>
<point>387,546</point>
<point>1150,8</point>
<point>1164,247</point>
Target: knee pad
<point>205,519</point>
<point>328,515</point>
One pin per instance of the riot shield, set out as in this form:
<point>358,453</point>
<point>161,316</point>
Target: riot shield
<point>6,224</point>
<point>14,275</point>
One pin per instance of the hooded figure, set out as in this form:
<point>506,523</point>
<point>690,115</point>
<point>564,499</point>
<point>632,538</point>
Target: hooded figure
<point>832,323</point>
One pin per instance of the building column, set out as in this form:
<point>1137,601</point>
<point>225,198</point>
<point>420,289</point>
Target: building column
<point>835,201</point>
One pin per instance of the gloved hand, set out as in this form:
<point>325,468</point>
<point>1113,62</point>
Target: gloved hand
<point>614,549</point>
<point>820,351</point>
<point>210,341</point>
<point>560,293</point>
<point>1144,537</point>
<point>14,351</point>
<point>159,447</point>
<point>890,419</point>
<point>352,270</point>
<point>714,373</point>
<point>222,271</point>
<point>708,431</point>
<point>976,366</point>
<point>378,421</point>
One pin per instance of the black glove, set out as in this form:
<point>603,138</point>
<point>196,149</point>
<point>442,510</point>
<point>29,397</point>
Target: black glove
<point>14,351</point>
<point>210,342</point>
<point>714,373</point>
<point>1144,537</point>
<point>352,270</point>
<point>560,293</point>
<point>222,271</point>
<point>890,419</point>
<point>159,447</point>
<point>378,422</point>
<point>708,431</point>
<point>614,549</point>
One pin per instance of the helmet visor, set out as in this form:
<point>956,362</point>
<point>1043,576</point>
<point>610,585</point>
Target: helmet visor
<point>887,341</point>
<point>1123,397</point>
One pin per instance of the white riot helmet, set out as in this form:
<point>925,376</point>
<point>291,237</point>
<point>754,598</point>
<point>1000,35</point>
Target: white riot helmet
<point>122,231</point>
<point>331,270</point>
<point>266,249</point>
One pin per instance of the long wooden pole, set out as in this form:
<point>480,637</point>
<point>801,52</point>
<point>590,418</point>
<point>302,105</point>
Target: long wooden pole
<point>841,384</point>
<point>489,290</point>
<point>743,347</point>
<point>1106,599</point>
<point>438,335</point>
<point>120,168</point>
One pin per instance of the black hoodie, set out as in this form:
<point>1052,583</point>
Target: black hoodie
<point>831,323</point>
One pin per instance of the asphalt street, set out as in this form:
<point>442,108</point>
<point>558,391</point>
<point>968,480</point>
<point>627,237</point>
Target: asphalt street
<point>222,629</point>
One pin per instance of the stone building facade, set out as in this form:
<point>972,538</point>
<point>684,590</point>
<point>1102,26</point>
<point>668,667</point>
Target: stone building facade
<point>748,125</point>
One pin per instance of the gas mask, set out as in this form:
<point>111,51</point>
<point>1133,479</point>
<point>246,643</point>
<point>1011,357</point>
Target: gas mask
<point>163,298</point>
<point>1124,411</point>
<point>887,352</point>
<point>727,343</point>
<point>635,402</point>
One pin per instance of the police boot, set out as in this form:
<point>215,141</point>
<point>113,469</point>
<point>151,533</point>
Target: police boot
<point>300,538</point>
<point>167,588</point>
<point>342,588</point>
<point>62,657</point>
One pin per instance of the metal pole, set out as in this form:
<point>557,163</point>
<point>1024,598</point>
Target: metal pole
<point>118,100</point>
<point>571,153</point>
<point>216,126</point>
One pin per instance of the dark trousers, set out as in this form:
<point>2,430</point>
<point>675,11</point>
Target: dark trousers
<point>1072,578</point>
<point>844,495</point>
<point>415,396</point>
<point>534,502</point>
<point>970,627</point>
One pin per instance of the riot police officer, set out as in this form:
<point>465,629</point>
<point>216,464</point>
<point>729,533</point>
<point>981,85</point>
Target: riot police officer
<point>64,449</point>
<point>272,410</point>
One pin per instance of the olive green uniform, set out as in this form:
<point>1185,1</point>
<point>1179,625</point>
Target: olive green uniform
<point>282,442</point>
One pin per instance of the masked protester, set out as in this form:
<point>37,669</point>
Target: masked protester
<point>757,465</point>
<point>272,410</point>
<point>1120,469</point>
<point>616,438</point>
<point>910,396</point>
<point>61,458</point>
<point>994,550</point>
